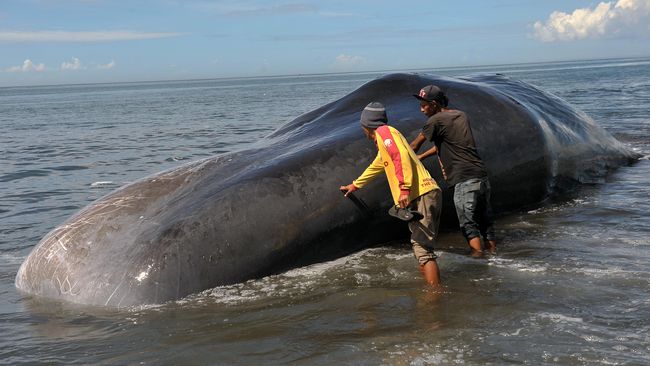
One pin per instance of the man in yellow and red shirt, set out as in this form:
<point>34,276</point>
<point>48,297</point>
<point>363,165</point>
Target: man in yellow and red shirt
<point>410,183</point>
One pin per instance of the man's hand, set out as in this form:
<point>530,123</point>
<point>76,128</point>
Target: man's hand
<point>442,169</point>
<point>403,199</point>
<point>432,151</point>
<point>348,189</point>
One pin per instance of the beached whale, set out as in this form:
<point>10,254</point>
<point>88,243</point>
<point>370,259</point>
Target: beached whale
<point>251,213</point>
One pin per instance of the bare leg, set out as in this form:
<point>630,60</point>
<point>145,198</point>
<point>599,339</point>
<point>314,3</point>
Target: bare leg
<point>431,272</point>
<point>492,246</point>
<point>475,244</point>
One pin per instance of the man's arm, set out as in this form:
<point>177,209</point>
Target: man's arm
<point>417,143</point>
<point>372,171</point>
<point>429,131</point>
<point>426,154</point>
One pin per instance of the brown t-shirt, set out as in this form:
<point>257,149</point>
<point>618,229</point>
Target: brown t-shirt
<point>451,132</point>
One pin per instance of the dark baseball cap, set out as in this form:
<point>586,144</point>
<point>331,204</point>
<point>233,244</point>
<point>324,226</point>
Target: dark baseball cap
<point>431,93</point>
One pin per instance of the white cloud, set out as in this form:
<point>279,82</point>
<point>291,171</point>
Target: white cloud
<point>107,66</point>
<point>347,60</point>
<point>65,36</point>
<point>74,65</point>
<point>625,18</point>
<point>273,10</point>
<point>241,8</point>
<point>333,14</point>
<point>27,66</point>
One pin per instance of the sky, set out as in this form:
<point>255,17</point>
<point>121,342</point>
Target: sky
<point>46,42</point>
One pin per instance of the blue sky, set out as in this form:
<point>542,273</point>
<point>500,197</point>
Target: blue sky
<point>86,41</point>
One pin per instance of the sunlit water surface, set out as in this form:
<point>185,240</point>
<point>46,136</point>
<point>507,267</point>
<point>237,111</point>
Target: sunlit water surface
<point>570,284</point>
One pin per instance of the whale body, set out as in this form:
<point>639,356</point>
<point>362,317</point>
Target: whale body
<point>247,214</point>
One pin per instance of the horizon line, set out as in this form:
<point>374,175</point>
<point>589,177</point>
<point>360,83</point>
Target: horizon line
<point>440,68</point>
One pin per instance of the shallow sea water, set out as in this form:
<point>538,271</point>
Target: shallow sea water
<point>569,285</point>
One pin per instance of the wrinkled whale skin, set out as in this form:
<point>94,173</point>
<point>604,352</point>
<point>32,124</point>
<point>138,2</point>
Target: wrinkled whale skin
<point>276,206</point>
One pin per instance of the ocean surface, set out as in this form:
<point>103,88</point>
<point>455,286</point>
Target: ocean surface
<point>569,286</point>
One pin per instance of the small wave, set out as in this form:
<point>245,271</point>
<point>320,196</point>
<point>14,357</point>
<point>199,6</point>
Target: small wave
<point>300,281</point>
<point>597,272</point>
<point>609,273</point>
<point>511,334</point>
<point>68,167</point>
<point>559,318</point>
<point>418,353</point>
<point>43,209</point>
<point>315,269</point>
<point>146,308</point>
<point>295,282</point>
<point>560,206</point>
<point>24,174</point>
<point>101,184</point>
<point>517,266</point>
<point>176,158</point>
<point>11,258</point>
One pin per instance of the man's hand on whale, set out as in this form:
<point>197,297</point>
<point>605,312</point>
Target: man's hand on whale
<point>348,189</point>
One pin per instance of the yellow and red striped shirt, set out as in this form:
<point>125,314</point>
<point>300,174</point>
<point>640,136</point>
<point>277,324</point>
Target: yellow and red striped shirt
<point>404,171</point>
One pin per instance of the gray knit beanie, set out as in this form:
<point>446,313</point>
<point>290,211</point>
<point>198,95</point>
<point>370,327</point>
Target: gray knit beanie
<point>374,116</point>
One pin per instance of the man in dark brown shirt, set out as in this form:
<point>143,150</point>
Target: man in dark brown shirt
<point>462,167</point>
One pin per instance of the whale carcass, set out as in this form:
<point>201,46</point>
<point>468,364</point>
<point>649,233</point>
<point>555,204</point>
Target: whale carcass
<point>251,213</point>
